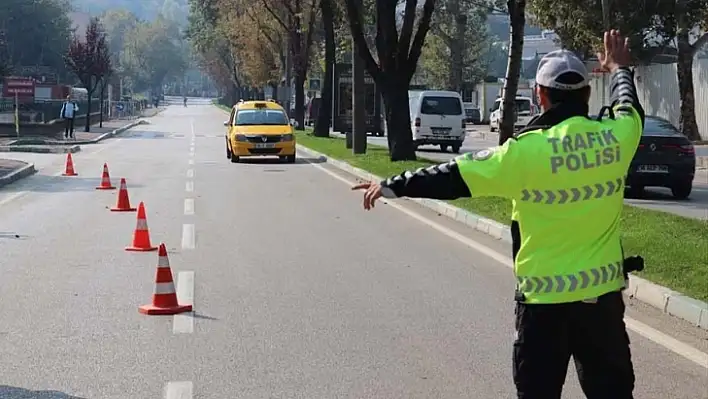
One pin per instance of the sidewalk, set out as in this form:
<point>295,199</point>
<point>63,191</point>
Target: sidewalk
<point>12,170</point>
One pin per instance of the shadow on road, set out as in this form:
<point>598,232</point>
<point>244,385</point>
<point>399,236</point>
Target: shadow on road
<point>55,184</point>
<point>21,393</point>
<point>276,161</point>
<point>652,194</point>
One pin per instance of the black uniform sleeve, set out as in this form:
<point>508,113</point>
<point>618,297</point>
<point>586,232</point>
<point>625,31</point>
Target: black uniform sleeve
<point>442,181</point>
<point>624,93</point>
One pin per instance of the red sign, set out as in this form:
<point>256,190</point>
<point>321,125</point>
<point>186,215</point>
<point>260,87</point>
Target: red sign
<point>23,87</point>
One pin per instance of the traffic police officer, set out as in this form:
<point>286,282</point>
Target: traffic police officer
<point>565,176</point>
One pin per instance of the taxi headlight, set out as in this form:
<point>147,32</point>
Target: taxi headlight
<point>241,137</point>
<point>287,137</point>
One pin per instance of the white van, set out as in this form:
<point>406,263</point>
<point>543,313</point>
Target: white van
<point>525,111</point>
<point>437,118</point>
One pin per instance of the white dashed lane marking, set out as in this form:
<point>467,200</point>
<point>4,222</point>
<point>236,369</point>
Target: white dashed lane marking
<point>190,173</point>
<point>189,206</point>
<point>179,390</point>
<point>183,323</point>
<point>189,186</point>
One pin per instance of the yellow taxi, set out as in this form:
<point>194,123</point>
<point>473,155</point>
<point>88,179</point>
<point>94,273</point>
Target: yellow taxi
<point>259,128</point>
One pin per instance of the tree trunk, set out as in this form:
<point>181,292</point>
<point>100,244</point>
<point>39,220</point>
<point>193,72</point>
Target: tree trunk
<point>233,94</point>
<point>684,71</point>
<point>100,117</point>
<point>87,128</point>
<point>324,114</point>
<point>517,18</point>
<point>398,121</point>
<point>457,47</point>
<point>274,86</point>
<point>300,100</point>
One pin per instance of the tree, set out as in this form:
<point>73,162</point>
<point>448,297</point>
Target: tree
<point>152,54</point>
<point>397,59</point>
<point>297,18</point>
<point>454,22</point>
<point>653,28</point>
<point>687,16</point>
<point>262,44</point>
<point>36,32</point>
<point>216,55</point>
<point>4,58</point>
<point>324,114</point>
<point>517,21</point>
<point>90,60</point>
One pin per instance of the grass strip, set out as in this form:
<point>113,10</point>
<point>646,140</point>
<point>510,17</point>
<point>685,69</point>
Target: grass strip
<point>674,248</point>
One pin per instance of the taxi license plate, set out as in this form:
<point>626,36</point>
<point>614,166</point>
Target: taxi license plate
<point>264,145</point>
<point>653,169</point>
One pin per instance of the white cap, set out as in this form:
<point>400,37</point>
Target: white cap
<point>555,64</point>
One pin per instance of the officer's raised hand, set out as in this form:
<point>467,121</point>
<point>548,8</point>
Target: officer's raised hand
<point>372,193</point>
<point>616,54</point>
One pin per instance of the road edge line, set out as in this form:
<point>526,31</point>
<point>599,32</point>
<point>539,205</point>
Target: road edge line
<point>655,295</point>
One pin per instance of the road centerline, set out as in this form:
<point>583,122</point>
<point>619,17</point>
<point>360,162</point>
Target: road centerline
<point>179,390</point>
<point>183,323</point>
<point>188,236</point>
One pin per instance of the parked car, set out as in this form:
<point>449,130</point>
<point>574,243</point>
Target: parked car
<point>472,114</point>
<point>437,118</point>
<point>665,158</point>
<point>525,111</point>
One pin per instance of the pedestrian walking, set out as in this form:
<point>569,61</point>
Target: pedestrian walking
<point>565,174</point>
<point>68,112</point>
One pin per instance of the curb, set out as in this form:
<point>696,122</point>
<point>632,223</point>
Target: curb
<point>114,132</point>
<point>38,149</point>
<point>18,174</point>
<point>102,137</point>
<point>668,301</point>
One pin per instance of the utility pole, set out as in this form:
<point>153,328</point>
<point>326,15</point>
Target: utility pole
<point>358,104</point>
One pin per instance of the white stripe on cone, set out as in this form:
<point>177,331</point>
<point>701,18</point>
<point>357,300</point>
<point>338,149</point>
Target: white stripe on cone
<point>163,261</point>
<point>142,224</point>
<point>164,288</point>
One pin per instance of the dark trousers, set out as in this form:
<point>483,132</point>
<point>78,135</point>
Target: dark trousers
<point>593,333</point>
<point>68,127</point>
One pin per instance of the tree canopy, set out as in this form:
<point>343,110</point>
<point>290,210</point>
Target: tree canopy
<point>42,42</point>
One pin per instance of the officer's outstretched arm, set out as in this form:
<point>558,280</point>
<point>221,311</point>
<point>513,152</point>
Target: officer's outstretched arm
<point>490,172</point>
<point>625,101</point>
<point>441,181</point>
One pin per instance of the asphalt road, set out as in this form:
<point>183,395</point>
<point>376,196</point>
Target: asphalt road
<point>297,292</point>
<point>696,206</point>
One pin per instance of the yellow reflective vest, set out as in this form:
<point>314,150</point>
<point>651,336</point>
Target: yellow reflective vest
<point>566,184</point>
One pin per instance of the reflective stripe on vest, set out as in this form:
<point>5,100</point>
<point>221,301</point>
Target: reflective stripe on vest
<point>564,283</point>
<point>574,194</point>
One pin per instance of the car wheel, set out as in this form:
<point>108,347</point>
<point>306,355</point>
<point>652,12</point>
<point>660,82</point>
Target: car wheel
<point>443,147</point>
<point>290,158</point>
<point>456,148</point>
<point>491,128</point>
<point>228,151</point>
<point>682,190</point>
<point>234,158</point>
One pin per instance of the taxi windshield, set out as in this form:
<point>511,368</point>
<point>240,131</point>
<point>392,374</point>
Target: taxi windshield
<point>248,117</point>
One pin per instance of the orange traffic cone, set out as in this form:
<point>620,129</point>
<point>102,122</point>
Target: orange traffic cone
<point>123,203</point>
<point>141,236</point>
<point>69,166</point>
<point>105,180</point>
<point>164,298</point>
